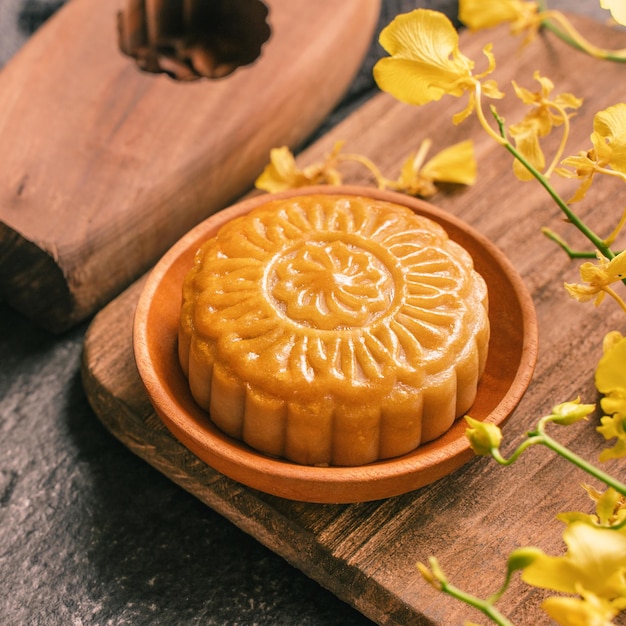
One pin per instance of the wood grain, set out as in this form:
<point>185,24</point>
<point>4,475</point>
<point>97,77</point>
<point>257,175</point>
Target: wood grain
<point>366,553</point>
<point>109,166</point>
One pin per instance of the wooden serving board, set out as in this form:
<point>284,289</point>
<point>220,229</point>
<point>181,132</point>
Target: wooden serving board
<point>366,552</point>
<point>106,167</point>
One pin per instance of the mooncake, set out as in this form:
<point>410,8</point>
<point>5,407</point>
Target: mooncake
<point>333,330</point>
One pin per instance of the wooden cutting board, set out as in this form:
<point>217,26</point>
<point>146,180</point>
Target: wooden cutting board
<point>105,167</point>
<point>366,553</point>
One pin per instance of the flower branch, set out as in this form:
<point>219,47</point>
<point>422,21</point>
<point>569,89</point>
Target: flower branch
<point>557,23</point>
<point>529,17</point>
<point>544,181</point>
<point>571,253</point>
<point>485,440</point>
<point>434,575</point>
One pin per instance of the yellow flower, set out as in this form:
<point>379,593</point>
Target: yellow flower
<point>283,173</point>
<point>425,62</point>
<point>548,112</point>
<point>570,412</point>
<point>545,114</point>
<point>479,14</point>
<point>609,136</point>
<point>614,427</point>
<point>610,509</point>
<point>608,154</point>
<point>617,8</point>
<point>599,278</point>
<point>610,380</point>
<point>589,610</point>
<point>610,505</point>
<point>594,562</point>
<point>455,164</point>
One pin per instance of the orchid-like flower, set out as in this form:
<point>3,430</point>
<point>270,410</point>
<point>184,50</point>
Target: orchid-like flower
<point>599,278</point>
<point>617,8</point>
<point>610,380</point>
<point>588,609</point>
<point>608,154</point>
<point>595,562</point>
<point>480,14</point>
<point>528,17</point>
<point>544,115</point>
<point>455,164</point>
<point>610,509</point>
<point>426,63</point>
<point>283,173</point>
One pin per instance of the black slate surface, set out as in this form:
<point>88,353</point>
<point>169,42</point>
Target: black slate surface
<point>89,533</point>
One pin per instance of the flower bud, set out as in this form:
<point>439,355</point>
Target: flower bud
<point>483,436</point>
<point>435,576</point>
<point>569,412</point>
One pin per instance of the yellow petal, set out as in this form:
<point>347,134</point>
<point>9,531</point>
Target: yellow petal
<point>526,138</point>
<point>587,610</point>
<point>525,95</point>
<point>611,370</point>
<point>455,164</point>
<point>478,14</point>
<point>581,163</point>
<point>617,8</point>
<point>610,125</point>
<point>595,561</point>
<point>595,274</point>
<point>613,428</point>
<point>612,338</point>
<point>425,61</point>
<point>546,84</point>
<point>457,118</point>
<point>568,101</point>
<point>582,293</point>
<point>281,173</point>
<point>616,268</point>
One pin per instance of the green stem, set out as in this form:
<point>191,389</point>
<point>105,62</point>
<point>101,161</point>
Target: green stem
<point>485,607</point>
<point>568,34</point>
<point>531,441</point>
<point>539,436</point>
<point>572,254</point>
<point>572,457</point>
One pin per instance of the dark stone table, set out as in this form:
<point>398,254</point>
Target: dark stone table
<point>89,533</point>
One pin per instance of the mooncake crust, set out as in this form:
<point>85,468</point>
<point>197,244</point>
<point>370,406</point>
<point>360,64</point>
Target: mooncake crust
<point>333,330</point>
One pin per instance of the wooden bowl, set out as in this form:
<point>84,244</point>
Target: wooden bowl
<point>509,368</point>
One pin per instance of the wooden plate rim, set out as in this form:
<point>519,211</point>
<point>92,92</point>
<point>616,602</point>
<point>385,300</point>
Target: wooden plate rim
<point>192,427</point>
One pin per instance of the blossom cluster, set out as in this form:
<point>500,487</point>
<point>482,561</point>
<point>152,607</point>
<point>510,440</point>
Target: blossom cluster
<point>425,64</point>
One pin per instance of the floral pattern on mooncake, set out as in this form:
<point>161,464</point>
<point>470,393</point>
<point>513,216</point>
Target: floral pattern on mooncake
<point>333,330</point>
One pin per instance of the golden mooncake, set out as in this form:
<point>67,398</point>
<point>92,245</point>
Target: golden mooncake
<point>333,330</point>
